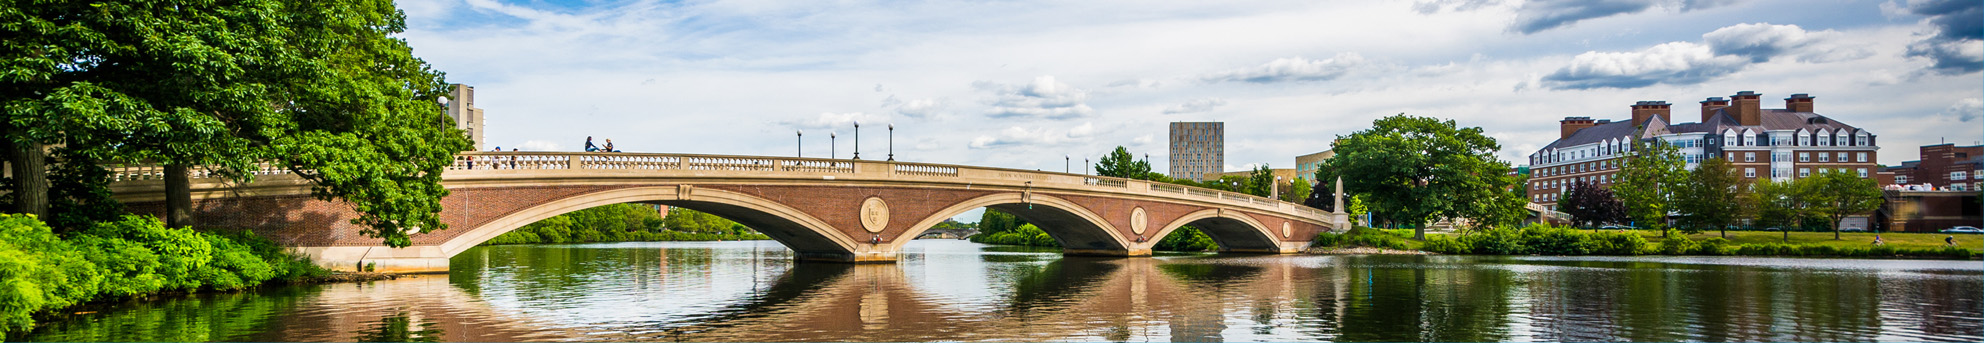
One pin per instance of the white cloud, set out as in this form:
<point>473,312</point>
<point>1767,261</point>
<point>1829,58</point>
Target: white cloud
<point>1291,69</point>
<point>1042,98</point>
<point>836,121</point>
<point>1966,110</point>
<point>1671,63</point>
<point>1017,136</point>
<point>1760,41</point>
<point>1196,106</point>
<point>921,108</point>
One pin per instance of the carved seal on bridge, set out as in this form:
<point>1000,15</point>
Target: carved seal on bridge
<point>1139,220</point>
<point>874,214</point>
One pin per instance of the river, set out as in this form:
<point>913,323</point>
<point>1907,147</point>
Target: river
<point>948,290</point>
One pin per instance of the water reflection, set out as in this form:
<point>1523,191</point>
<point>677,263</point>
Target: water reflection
<point>950,290</point>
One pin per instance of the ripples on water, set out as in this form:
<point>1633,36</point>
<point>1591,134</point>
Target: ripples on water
<point>954,290</point>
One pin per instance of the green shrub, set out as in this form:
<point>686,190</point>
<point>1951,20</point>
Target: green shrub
<point>1362,237</point>
<point>38,271</point>
<point>1446,246</point>
<point>1679,245</point>
<point>1619,243</point>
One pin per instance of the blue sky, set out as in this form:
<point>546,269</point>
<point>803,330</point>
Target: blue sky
<point>1018,83</point>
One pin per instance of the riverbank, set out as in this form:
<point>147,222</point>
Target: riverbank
<point>1549,240</point>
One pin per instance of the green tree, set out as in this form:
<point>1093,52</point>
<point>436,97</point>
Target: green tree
<point>1647,181</point>
<point>1417,169</point>
<point>1298,191</point>
<point>320,88</point>
<point>1779,204</point>
<point>1260,183</point>
<point>1836,193</point>
<point>1712,196</point>
<point>1119,163</point>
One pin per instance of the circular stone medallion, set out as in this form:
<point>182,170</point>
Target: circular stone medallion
<point>1286,229</point>
<point>874,215</point>
<point>1139,220</point>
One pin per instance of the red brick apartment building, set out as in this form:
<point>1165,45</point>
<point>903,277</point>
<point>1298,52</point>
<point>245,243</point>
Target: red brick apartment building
<point>1778,144</point>
<point>1942,167</point>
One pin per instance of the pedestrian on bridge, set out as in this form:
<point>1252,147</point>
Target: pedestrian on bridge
<point>589,146</point>
<point>609,145</point>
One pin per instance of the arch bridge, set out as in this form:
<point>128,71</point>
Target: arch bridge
<point>823,209</point>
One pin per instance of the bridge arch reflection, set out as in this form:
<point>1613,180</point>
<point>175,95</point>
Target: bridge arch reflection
<point>805,234</point>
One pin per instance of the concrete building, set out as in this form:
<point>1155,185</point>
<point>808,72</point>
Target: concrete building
<point>1942,167</point>
<point>1776,144</point>
<point>1197,149</point>
<point>1306,165</point>
<point>461,108</point>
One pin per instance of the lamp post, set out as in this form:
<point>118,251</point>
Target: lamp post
<point>801,142</point>
<point>892,142</point>
<point>1084,166</point>
<point>832,144</point>
<point>1065,162</point>
<point>857,140</point>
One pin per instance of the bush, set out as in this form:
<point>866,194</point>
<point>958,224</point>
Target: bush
<point>133,256</point>
<point>1362,237</point>
<point>38,271</point>
<point>1027,235</point>
<point>1678,245</point>
<point>1446,246</point>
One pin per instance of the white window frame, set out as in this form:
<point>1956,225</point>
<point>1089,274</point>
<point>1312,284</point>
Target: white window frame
<point>1749,157</point>
<point>1863,173</point>
<point>1750,172</point>
<point>1804,172</point>
<point>1804,157</point>
<point>1863,157</point>
<point>1959,175</point>
<point>1825,157</point>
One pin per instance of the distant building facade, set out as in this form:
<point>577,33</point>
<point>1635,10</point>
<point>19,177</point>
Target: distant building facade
<point>1197,149</point>
<point>1307,165</point>
<point>461,108</point>
<point>1943,167</point>
<point>1776,144</point>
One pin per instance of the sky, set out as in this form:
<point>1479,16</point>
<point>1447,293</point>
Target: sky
<point>1016,83</point>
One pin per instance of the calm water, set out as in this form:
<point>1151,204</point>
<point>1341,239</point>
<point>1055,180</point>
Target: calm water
<point>953,290</point>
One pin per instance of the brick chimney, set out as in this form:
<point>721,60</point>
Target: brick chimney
<point>1648,109</point>
<point>1571,125</point>
<point>1749,111</point>
<point>1800,102</point>
<point>1709,106</point>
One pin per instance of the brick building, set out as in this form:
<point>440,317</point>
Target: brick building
<point>1197,149</point>
<point>1777,144</point>
<point>1942,167</point>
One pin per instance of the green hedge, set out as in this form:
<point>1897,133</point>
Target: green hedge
<point>1548,240</point>
<point>131,257</point>
<point>1364,237</point>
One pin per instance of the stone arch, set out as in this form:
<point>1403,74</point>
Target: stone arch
<point>1074,226</point>
<point>805,234</point>
<point>1233,230</point>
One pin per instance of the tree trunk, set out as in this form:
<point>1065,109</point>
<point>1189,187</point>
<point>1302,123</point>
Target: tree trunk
<point>1835,228</point>
<point>1787,235</point>
<point>30,179</point>
<point>1419,233</point>
<point>178,196</point>
<point>1725,232</point>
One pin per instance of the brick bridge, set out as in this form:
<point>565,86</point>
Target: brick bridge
<point>823,209</point>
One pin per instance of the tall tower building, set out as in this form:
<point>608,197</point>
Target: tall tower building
<point>1197,149</point>
<point>461,108</point>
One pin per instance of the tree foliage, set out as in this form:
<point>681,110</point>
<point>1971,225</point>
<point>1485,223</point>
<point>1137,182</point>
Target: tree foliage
<point>1416,170</point>
<point>1647,180</point>
<point>1119,163</point>
<point>1835,193</point>
<point>320,88</point>
<point>1590,205</point>
<point>627,223</point>
<point>1712,196</point>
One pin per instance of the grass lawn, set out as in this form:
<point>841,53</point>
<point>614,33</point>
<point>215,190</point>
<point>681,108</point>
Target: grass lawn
<point>1846,239</point>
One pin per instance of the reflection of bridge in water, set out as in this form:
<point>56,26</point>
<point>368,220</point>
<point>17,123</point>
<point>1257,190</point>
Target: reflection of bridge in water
<point>1066,299</point>
<point>822,209</point>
